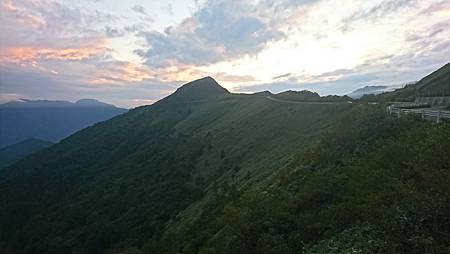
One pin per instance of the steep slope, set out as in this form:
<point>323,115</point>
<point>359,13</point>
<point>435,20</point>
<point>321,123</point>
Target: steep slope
<point>118,183</point>
<point>374,184</point>
<point>50,120</point>
<point>436,84</point>
<point>13,153</point>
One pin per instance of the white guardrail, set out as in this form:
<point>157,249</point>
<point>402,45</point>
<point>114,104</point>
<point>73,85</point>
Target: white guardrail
<point>423,112</point>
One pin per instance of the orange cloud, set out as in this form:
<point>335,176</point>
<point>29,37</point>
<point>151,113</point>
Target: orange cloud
<point>33,54</point>
<point>22,15</point>
<point>118,73</point>
<point>9,6</point>
<point>35,57</point>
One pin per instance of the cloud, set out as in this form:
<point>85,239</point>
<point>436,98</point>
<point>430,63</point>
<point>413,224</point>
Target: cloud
<point>168,9</point>
<point>387,71</point>
<point>119,73</point>
<point>441,8</point>
<point>139,9</point>
<point>38,23</point>
<point>377,11</point>
<point>218,31</point>
<point>33,55</point>
<point>7,97</point>
<point>222,76</point>
<point>282,76</point>
<point>113,32</point>
<point>144,16</point>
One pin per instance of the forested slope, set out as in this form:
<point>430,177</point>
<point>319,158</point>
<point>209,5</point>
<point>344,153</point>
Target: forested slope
<point>13,153</point>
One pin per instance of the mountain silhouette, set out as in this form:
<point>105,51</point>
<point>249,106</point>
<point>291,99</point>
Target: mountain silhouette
<point>50,120</point>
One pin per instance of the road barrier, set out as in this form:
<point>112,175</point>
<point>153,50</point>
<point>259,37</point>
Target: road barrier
<point>425,113</point>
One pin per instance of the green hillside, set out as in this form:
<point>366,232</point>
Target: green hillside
<point>13,153</point>
<point>208,171</point>
<point>372,185</point>
<point>435,84</point>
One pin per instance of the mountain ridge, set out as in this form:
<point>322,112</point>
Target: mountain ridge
<point>234,173</point>
<point>366,90</point>
<point>27,103</point>
<point>50,120</point>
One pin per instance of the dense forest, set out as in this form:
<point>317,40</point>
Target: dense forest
<point>208,171</point>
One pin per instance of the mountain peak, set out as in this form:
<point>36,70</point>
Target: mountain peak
<point>199,89</point>
<point>205,85</point>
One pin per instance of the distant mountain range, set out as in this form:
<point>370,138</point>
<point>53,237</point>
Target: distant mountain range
<point>82,103</point>
<point>50,120</point>
<point>308,96</point>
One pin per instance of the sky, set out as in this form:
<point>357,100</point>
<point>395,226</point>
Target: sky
<point>135,52</point>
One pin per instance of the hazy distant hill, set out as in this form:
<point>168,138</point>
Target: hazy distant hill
<point>207,171</point>
<point>15,152</point>
<point>435,84</point>
<point>360,92</point>
<point>50,120</point>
